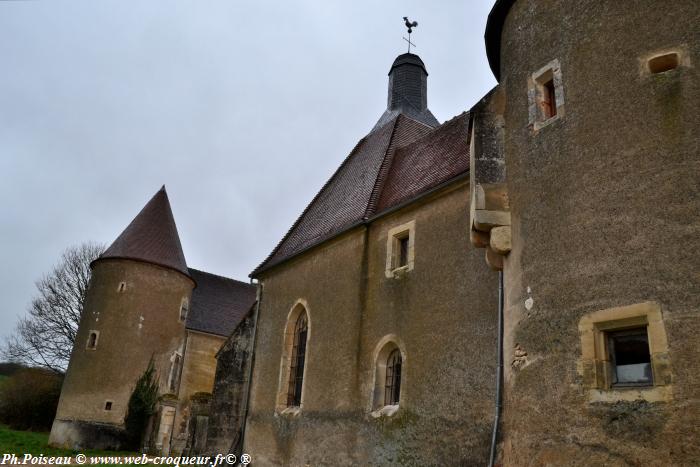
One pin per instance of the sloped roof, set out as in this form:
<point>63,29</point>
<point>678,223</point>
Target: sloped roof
<point>392,164</point>
<point>218,303</point>
<point>435,158</point>
<point>151,237</point>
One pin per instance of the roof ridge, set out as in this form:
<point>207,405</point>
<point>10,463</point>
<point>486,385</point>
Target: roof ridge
<point>313,200</point>
<point>383,171</point>
<point>218,275</point>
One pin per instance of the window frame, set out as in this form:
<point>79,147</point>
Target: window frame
<point>398,237</point>
<point>594,365</point>
<point>297,361</point>
<point>545,89</point>
<point>380,402</point>
<point>282,406</point>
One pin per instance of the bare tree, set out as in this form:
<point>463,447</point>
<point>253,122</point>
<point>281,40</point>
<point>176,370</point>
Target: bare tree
<point>45,336</point>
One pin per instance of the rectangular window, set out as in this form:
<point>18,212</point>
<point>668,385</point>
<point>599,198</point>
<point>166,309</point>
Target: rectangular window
<point>630,358</point>
<point>108,405</point>
<point>400,249</point>
<point>545,94</point>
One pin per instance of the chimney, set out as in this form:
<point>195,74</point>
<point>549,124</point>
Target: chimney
<point>408,91</point>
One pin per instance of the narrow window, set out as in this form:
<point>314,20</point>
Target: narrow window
<point>175,370</point>
<point>545,93</point>
<point>184,309</point>
<point>122,287</point>
<point>392,387</point>
<point>296,373</point>
<point>549,102</point>
<point>92,340</point>
<point>665,62</point>
<point>108,405</point>
<point>630,358</point>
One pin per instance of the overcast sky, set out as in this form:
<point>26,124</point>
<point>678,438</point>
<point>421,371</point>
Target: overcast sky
<point>243,109</point>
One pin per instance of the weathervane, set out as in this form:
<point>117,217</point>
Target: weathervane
<point>410,25</point>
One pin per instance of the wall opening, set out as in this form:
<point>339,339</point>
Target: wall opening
<point>663,63</point>
<point>108,405</point>
<point>93,337</point>
<point>630,358</point>
<point>291,390</point>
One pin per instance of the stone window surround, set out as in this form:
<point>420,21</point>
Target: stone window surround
<point>595,367</point>
<point>392,249</point>
<point>281,407</point>
<point>384,347</point>
<point>97,338</point>
<point>535,90</point>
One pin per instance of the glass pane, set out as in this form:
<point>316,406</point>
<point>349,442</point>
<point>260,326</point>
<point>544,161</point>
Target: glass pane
<point>635,373</point>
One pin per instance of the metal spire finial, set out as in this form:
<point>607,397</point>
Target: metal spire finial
<point>410,25</point>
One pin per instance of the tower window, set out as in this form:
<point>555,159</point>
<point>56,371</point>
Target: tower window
<point>392,387</point>
<point>545,96</point>
<point>630,360</point>
<point>549,101</point>
<point>92,340</point>
<point>184,309</point>
<point>665,62</point>
<point>121,287</point>
<point>108,405</point>
<point>296,373</point>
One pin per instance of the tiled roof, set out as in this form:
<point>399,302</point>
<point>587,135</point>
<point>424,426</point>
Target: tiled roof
<point>218,303</point>
<point>392,164</point>
<point>435,158</point>
<point>151,237</point>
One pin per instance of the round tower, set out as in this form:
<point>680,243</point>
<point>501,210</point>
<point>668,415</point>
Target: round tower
<point>603,175</point>
<point>134,310</point>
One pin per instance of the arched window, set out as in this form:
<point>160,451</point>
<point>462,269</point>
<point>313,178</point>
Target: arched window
<point>298,356</point>
<point>392,387</point>
<point>92,340</point>
<point>389,376</point>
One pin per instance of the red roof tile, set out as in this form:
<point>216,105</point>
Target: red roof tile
<point>421,165</point>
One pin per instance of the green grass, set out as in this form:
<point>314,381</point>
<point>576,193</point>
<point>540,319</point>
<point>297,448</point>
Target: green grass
<point>29,442</point>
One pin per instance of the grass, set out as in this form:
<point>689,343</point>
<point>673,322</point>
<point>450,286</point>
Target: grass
<point>29,442</point>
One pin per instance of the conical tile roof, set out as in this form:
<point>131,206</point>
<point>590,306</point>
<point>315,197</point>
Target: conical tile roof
<point>151,237</point>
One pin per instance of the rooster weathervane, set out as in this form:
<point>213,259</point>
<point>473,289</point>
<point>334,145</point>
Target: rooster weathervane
<point>410,25</point>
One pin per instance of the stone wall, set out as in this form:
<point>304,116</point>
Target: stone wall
<point>230,389</point>
<point>134,324</point>
<point>442,313</point>
<point>604,203</point>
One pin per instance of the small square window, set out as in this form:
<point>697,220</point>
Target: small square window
<point>108,405</point>
<point>630,359</point>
